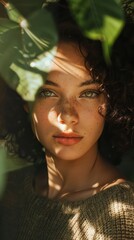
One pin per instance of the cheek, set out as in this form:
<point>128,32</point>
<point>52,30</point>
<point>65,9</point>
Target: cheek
<point>98,124</point>
<point>93,121</point>
<point>94,109</point>
<point>52,116</point>
<point>42,119</point>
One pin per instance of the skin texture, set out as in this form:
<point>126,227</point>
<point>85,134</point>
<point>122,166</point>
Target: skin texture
<point>67,106</point>
<point>67,122</point>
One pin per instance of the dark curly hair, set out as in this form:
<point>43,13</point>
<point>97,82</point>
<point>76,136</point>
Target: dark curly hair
<point>117,82</point>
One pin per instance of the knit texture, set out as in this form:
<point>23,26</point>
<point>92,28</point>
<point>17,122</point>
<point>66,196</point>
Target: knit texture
<point>24,215</point>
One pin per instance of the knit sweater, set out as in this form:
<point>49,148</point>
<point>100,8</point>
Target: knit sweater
<point>24,215</point>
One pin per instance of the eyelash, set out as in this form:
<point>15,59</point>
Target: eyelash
<point>46,93</point>
<point>93,93</point>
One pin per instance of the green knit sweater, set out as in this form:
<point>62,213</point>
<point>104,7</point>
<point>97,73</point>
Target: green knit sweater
<point>25,215</point>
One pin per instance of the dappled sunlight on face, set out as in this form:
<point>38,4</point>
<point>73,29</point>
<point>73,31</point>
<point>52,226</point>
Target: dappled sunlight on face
<point>66,64</point>
<point>70,101</point>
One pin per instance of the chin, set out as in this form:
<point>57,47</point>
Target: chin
<point>67,154</point>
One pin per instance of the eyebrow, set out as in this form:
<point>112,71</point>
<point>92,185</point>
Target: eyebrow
<point>88,82</point>
<point>48,82</point>
<point>85,83</point>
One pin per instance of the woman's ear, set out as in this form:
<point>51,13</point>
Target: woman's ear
<point>102,109</point>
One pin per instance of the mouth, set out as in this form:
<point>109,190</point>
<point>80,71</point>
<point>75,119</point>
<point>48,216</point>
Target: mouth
<point>67,139</point>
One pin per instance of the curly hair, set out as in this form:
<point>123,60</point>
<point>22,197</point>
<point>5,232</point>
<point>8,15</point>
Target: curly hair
<point>117,82</point>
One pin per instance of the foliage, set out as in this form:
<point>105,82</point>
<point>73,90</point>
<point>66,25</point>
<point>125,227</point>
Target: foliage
<point>27,57</point>
<point>99,20</point>
<point>26,51</point>
<point>21,56</point>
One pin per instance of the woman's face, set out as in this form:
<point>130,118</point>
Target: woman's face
<point>65,115</point>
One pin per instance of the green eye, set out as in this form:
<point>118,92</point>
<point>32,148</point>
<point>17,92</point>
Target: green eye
<point>46,93</point>
<point>90,94</point>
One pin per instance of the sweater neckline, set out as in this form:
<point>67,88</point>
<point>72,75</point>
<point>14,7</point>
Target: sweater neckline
<point>100,196</point>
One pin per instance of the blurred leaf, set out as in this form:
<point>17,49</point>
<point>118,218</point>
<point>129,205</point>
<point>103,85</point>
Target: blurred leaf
<point>99,20</point>
<point>13,13</point>
<point>21,44</point>
<point>5,25</point>
<point>26,7</point>
<point>27,88</point>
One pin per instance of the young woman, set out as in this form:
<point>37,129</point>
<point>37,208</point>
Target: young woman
<point>77,128</point>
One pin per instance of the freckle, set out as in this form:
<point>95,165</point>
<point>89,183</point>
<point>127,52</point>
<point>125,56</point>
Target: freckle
<point>73,100</point>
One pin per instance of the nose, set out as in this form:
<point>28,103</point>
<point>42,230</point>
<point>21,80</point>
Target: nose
<point>68,113</point>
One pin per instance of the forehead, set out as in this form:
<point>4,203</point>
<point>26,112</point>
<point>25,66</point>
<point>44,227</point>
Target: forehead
<point>69,60</point>
<point>70,51</point>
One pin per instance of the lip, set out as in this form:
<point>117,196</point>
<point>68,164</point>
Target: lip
<point>67,139</point>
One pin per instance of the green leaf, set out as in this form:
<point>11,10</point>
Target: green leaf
<point>29,82</point>
<point>99,20</point>
<point>26,7</point>
<point>13,13</point>
<point>42,30</point>
<point>21,45</point>
<point>6,24</point>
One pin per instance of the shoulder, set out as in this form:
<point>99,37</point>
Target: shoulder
<point>121,199</point>
<point>113,211</point>
<point>119,196</point>
<point>121,191</point>
<point>117,200</point>
<point>113,205</point>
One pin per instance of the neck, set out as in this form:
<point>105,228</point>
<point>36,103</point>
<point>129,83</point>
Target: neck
<point>65,177</point>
